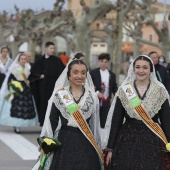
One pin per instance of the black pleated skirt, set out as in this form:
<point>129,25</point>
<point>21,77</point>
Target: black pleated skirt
<point>137,148</point>
<point>76,152</point>
<point>23,105</point>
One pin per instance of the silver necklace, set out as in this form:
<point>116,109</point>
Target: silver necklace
<point>142,88</point>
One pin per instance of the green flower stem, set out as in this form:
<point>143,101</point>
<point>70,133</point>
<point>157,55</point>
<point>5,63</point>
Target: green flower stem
<point>42,162</point>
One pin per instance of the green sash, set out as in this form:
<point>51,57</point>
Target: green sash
<point>74,111</point>
<point>20,69</point>
<point>142,112</point>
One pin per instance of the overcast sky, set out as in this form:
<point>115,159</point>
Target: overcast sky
<point>8,5</point>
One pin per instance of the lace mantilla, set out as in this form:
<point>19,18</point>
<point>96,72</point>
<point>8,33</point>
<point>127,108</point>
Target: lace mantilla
<point>85,104</point>
<point>4,68</point>
<point>18,75</point>
<point>155,97</point>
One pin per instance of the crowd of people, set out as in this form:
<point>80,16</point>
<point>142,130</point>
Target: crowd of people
<point>73,106</point>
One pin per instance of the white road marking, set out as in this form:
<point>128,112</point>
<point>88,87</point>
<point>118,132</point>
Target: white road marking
<point>20,145</point>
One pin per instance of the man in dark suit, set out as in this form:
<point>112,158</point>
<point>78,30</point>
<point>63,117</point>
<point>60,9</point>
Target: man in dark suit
<point>28,59</point>
<point>44,73</point>
<point>161,71</point>
<point>105,84</point>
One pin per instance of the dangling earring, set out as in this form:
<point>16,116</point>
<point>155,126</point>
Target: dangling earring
<point>83,84</point>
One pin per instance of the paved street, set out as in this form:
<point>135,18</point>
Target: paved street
<point>18,151</point>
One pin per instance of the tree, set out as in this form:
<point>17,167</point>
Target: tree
<point>123,7</point>
<point>5,29</point>
<point>108,37</point>
<point>162,32</point>
<point>38,28</point>
<point>81,32</point>
<point>133,26</point>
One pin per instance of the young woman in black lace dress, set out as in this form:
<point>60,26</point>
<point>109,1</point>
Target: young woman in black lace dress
<point>134,143</point>
<point>77,151</point>
<point>17,106</point>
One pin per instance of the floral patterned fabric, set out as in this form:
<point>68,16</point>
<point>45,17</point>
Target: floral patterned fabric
<point>134,146</point>
<point>22,104</point>
<point>75,153</point>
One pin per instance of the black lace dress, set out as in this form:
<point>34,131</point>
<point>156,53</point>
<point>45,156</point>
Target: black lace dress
<point>22,104</point>
<point>135,146</point>
<point>76,152</point>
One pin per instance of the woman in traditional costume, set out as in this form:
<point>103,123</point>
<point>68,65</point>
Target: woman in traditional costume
<point>139,121</point>
<point>17,106</point>
<point>72,118</point>
<point>5,62</point>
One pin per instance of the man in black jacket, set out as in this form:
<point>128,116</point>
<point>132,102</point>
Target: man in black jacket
<point>105,84</point>
<point>44,73</point>
<point>161,71</point>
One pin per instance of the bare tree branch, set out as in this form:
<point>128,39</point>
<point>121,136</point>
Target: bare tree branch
<point>157,30</point>
<point>84,6</point>
<point>99,36</point>
<point>148,42</point>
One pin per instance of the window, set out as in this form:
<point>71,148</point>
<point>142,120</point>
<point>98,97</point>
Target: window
<point>102,45</point>
<point>151,37</point>
<point>97,26</point>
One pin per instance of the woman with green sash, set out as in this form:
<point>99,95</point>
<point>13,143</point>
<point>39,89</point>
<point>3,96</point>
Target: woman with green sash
<point>72,118</point>
<point>17,107</point>
<point>138,123</point>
